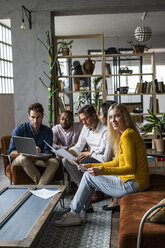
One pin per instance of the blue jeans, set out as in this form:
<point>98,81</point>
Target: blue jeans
<point>76,174</point>
<point>110,185</point>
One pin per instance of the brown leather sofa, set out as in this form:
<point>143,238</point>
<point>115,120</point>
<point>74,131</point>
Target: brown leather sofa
<point>132,209</point>
<point>18,174</point>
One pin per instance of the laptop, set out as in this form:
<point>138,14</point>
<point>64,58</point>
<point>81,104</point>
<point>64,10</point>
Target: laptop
<point>27,146</point>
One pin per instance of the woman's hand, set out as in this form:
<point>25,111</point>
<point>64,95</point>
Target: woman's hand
<point>94,171</point>
<point>83,167</point>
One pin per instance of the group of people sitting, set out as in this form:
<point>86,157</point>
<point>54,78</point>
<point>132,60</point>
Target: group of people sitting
<point>109,149</point>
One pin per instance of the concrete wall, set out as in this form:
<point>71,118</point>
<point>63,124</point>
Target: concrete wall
<point>6,114</point>
<point>28,53</point>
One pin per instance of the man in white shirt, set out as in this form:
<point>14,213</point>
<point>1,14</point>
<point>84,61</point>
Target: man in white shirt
<point>93,134</point>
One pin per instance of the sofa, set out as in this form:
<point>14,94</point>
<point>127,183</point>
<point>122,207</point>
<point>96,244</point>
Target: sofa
<point>132,209</point>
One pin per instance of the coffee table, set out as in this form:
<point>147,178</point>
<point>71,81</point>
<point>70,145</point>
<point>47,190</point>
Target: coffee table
<point>23,215</point>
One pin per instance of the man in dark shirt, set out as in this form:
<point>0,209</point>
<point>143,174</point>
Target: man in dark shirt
<point>39,132</point>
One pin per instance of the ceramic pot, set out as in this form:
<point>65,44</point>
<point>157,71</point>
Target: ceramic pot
<point>76,84</point>
<point>89,66</point>
<point>160,145</point>
<point>138,48</point>
<point>65,51</point>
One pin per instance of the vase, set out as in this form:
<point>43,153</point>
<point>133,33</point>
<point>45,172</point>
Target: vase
<point>76,84</point>
<point>160,145</point>
<point>138,48</point>
<point>89,66</point>
<point>65,51</point>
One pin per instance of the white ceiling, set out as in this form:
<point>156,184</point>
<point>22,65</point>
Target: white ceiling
<point>112,25</point>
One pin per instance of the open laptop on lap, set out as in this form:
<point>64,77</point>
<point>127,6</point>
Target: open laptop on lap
<point>27,146</point>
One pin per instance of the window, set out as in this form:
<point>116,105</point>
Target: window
<point>6,64</point>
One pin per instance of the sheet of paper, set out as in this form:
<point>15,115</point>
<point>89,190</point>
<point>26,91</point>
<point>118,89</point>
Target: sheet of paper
<point>45,193</point>
<point>62,152</point>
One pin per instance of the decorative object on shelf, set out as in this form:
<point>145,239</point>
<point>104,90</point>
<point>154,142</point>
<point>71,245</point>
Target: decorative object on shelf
<point>123,90</point>
<point>66,46</point>
<point>28,15</point>
<point>158,124</point>
<point>138,110</point>
<point>107,69</point>
<point>97,95</point>
<point>76,84</point>
<point>139,48</point>
<point>77,68</point>
<point>89,66</point>
<point>143,33</point>
<point>125,70</point>
<point>111,50</point>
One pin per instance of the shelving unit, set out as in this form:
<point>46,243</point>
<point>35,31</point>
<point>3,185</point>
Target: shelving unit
<point>140,74</point>
<point>102,72</point>
<point>88,89</point>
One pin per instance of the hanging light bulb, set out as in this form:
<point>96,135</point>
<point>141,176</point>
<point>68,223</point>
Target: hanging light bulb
<point>23,27</point>
<point>143,33</point>
<point>28,16</point>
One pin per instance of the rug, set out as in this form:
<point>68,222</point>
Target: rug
<point>94,234</point>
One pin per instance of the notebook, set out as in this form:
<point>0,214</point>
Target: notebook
<point>27,146</point>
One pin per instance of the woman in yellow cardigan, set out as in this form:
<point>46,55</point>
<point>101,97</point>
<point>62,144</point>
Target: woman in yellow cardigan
<point>127,173</point>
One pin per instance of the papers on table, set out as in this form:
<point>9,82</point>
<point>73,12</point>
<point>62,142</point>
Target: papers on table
<point>45,193</point>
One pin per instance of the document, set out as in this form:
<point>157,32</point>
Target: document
<point>45,193</point>
<point>63,153</point>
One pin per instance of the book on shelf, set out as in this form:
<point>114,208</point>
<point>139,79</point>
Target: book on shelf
<point>151,104</point>
<point>149,87</point>
<point>143,87</point>
<point>138,89</point>
<point>61,103</point>
<point>161,87</point>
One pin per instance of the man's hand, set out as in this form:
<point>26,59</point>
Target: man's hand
<point>72,152</point>
<point>82,156</point>
<point>14,154</point>
<point>38,149</point>
<point>71,146</point>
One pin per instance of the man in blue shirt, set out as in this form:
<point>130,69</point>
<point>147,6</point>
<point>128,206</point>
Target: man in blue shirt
<point>39,132</point>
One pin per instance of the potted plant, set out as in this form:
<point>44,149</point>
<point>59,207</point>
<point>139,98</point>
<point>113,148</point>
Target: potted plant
<point>138,48</point>
<point>65,47</point>
<point>159,127</point>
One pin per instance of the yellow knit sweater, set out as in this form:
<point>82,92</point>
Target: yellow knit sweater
<point>131,162</point>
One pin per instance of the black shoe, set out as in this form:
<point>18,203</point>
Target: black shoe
<point>114,208</point>
<point>89,210</point>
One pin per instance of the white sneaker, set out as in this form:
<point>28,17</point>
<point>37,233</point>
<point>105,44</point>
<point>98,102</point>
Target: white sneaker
<point>69,219</point>
<point>83,217</point>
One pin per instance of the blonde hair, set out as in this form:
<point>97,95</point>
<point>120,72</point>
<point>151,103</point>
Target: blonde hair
<point>114,135</point>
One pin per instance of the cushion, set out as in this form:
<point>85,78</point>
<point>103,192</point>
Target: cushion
<point>157,215</point>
